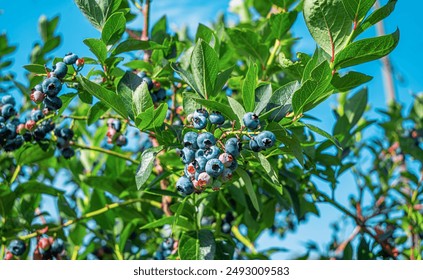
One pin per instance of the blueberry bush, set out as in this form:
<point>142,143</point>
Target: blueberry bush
<point>156,145</point>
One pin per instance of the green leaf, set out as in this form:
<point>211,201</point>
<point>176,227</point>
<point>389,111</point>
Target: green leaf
<point>151,118</point>
<point>98,48</point>
<point>236,107</point>
<point>281,23</point>
<point>66,100</point>
<point>204,66</point>
<point>197,245</point>
<point>358,9</point>
<point>248,43</point>
<point>125,88</point>
<point>146,166</point>
<point>324,134</point>
<point>246,181</point>
<point>225,249</point>
<point>349,81</point>
<point>159,30</point>
<point>249,86</point>
<point>113,28</point>
<point>367,50</point>
<point>188,78</point>
<point>265,164</point>
<point>135,45</point>
<point>35,187</point>
<point>312,90</point>
<point>95,112</point>
<point>355,106</point>
<point>159,223</point>
<point>29,154</point>
<point>280,102</point>
<point>262,98</point>
<point>375,17</point>
<point>142,99</point>
<point>35,68</point>
<point>328,23</point>
<point>204,33</point>
<point>108,97</point>
<point>98,11</point>
<point>221,80</point>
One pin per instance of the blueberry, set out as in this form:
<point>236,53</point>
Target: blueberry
<point>212,152</point>
<point>216,118</point>
<point>47,126</point>
<point>66,133</point>
<point>206,140</point>
<point>67,153</point>
<point>204,180</point>
<point>149,82</point>
<point>200,163</point>
<point>11,130</point>
<point>234,165</point>
<point>57,247</point>
<point>37,115</point>
<point>187,155</point>
<point>233,146</point>
<point>37,96</point>
<point>158,255</point>
<point>254,146</point>
<point>3,129</point>
<point>226,175</point>
<point>38,87</point>
<point>226,228</point>
<point>60,70</point>
<point>8,99</point>
<point>52,86</point>
<point>70,58</point>
<point>161,94</point>
<point>53,103</point>
<point>39,133</point>
<point>189,170</point>
<point>199,122</point>
<point>142,74</point>
<point>2,120</point>
<point>14,143</point>
<point>214,167</point>
<point>8,111</point>
<point>17,247</point>
<point>226,159</point>
<point>265,139</point>
<point>201,113</point>
<point>251,120</point>
<point>121,140</point>
<point>199,153</point>
<point>167,244</point>
<point>190,140</point>
<point>184,186</point>
<point>154,97</point>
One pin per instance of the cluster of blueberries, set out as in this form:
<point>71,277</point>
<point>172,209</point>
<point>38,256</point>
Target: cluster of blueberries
<point>10,140</point>
<point>157,93</point>
<point>47,91</point>
<point>165,249</point>
<point>205,164</point>
<point>47,247</point>
<point>114,135</point>
<point>64,136</point>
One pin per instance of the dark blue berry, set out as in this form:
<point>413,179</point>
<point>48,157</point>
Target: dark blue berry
<point>57,247</point>
<point>206,140</point>
<point>149,82</point>
<point>66,133</point>
<point>53,103</point>
<point>167,244</point>
<point>214,167</point>
<point>212,152</point>
<point>190,140</point>
<point>8,99</point>
<point>233,146</point>
<point>70,58</point>
<point>67,153</point>
<point>8,111</point>
<point>265,139</point>
<point>199,122</point>
<point>52,86</point>
<point>184,186</point>
<point>60,70</point>
<point>201,112</point>
<point>254,146</point>
<point>187,155</point>
<point>216,118</point>
<point>37,115</point>
<point>251,120</point>
<point>200,163</point>
<point>161,94</point>
<point>17,247</point>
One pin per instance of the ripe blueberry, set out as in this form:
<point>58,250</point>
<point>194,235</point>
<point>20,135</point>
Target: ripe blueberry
<point>233,146</point>
<point>216,118</point>
<point>254,146</point>
<point>265,139</point>
<point>67,153</point>
<point>8,99</point>
<point>184,186</point>
<point>212,152</point>
<point>17,247</point>
<point>8,111</point>
<point>199,122</point>
<point>121,140</point>
<point>251,120</point>
<point>206,140</point>
<point>37,115</point>
<point>52,86</point>
<point>187,155</point>
<point>60,70</point>
<point>201,112</point>
<point>57,247</point>
<point>53,103</point>
<point>214,167</point>
<point>70,58</point>
<point>190,140</point>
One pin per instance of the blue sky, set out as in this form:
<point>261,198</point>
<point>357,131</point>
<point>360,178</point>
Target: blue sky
<point>19,19</point>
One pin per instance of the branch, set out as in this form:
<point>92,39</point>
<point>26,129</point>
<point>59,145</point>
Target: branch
<point>243,239</point>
